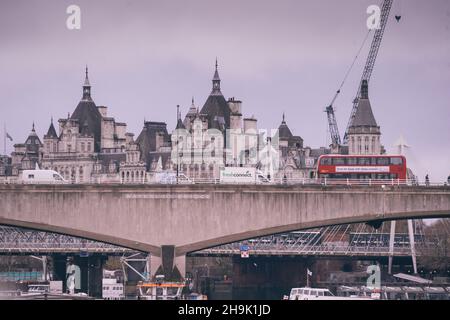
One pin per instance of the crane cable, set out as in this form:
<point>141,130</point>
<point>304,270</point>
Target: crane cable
<point>351,66</point>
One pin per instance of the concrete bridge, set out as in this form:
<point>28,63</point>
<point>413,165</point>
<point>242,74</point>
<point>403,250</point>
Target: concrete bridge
<point>171,220</point>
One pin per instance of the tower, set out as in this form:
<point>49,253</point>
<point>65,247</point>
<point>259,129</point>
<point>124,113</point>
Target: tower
<point>86,118</point>
<point>87,88</point>
<point>216,82</point>
<point>364,133</point>
<point>216,108</point>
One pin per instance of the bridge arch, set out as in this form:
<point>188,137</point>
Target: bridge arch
<point>195,217</point>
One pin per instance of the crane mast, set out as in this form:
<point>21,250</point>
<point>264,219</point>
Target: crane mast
<point>332,123</point>
<point>371,58</point>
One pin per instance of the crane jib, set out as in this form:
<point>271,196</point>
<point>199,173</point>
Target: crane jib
<point>371,58</point>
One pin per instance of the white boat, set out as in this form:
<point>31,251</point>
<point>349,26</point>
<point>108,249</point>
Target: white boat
<point>307,293</point>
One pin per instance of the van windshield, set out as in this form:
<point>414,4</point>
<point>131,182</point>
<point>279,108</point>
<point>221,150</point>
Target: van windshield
<point>57,177</point>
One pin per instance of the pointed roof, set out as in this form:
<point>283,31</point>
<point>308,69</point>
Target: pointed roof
<point>283,130</point>
<point>216,107</point>
<point>51,133</point>
<point>33,142</point>
<point>364,116</point>
<point>192,110</point>
<point>87,112</point>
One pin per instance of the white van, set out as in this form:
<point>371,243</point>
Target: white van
<point>42,177</point>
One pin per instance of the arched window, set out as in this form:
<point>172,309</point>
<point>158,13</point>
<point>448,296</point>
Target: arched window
<point>359,145</point>
<point>373,146</point>
<point>353,145</point>
<point>366,145</point>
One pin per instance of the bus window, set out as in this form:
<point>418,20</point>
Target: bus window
<point>352,161</point>
<point>397,161</point>
<point>373,161</point>
<point>338,176</point>
<point>383,161</point>
<point>338,161</point>
<point>325,161</point>
<point>363,161</point>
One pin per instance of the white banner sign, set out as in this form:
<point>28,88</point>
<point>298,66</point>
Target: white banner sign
<point>237,175</point>
<point>361,169</point>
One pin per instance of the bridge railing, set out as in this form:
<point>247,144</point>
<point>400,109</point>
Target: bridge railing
<point>266,181</point>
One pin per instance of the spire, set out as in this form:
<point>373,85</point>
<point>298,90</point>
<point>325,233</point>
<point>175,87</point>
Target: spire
<point>86,80</point>
<point>87,87</point>
<point>364,116</point>
<point>364,90</point>
<point>216,82</point>
<point>51,133</point>
<point>180,124</point>
<point>33,131</point>
<point>283,130</point>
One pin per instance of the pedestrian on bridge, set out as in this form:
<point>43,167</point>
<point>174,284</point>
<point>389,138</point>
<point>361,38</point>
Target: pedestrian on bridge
<point>427,180</point>
<point>448,180</point>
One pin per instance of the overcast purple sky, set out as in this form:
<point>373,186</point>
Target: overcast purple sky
<point>145,57</point>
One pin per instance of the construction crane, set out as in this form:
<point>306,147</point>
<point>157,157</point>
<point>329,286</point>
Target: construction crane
<point>371,58</point>
<point>370,63</point>
<point>332,123</point>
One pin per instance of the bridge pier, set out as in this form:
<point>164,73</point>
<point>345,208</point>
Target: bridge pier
<point>168,264</point>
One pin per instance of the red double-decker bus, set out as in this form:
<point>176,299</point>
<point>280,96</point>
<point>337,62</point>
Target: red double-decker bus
<point>376,167</point>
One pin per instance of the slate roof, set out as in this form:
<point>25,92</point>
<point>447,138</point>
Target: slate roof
<point>87,113</point>
<point>216,107</point>
<point>147,139</point>
<point>51,133</point>
<point>88,116</point>
<point>284,131</point>
<point>364,115</point>
<point>217,111</point>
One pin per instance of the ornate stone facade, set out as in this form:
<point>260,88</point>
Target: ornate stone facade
<point>92,147</point>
